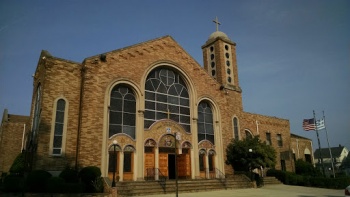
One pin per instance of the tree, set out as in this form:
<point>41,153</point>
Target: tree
<point>239,157</point>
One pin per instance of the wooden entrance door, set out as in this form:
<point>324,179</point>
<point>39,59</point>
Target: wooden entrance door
<point>149,165</point>
<point>163,164</point>
<point>184,164</point>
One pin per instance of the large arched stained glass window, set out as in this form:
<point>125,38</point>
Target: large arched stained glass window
<point>205,122</point>
<point>122,112</point>
<point>166,95</point>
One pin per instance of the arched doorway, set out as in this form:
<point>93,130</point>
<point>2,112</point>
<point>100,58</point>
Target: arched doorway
<point>171,161</point>
<point>149,150</point>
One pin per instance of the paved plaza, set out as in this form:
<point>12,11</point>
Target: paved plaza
<point>266,191</point>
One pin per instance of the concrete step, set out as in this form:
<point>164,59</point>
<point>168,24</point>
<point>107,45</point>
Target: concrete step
<point>139,188</point>
<point>270,180</point>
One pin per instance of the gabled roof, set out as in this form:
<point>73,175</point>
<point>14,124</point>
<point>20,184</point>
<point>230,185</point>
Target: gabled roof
<point>336,152</point>
<point>131,46</point>
<point>299,137</point>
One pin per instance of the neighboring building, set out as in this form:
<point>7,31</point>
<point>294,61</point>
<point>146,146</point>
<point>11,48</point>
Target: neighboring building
<point>338,154</point>
<point>140,96</point>
<point>301,148</point>
<point>12,131</point>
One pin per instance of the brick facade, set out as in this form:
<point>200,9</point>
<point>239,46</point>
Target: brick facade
<point>86,87</point>
<point>12,138</point>
<point>301,148</point>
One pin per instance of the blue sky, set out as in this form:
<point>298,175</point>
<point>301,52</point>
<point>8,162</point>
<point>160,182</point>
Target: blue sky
<point>293,56</point>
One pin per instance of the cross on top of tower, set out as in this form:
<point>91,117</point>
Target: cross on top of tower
<point>217,23</point>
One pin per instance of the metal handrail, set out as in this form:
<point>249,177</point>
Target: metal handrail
<point>221,176</point>
<point>151,175</point>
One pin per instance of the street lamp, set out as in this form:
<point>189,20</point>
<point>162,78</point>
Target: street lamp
<point>251,162</point>
<point>115,142</point>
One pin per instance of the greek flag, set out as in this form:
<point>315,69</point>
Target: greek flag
<point>320,124</point>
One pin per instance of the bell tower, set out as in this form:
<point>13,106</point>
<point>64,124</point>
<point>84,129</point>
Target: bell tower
<point>219,57</point>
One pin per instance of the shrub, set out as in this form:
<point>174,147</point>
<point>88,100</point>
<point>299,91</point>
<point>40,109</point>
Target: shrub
<point>306,168</point>
<point>13,183</point>
<point>69,175</point>
<point>17,166</point>
<point>294,179</point>
<point>37,179</point>
<point>88,175</point>
<point>73,187</point>
<point>98,185</point>
<point>55,185</point>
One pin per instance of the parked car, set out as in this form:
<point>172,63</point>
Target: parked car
<point>347,191</point>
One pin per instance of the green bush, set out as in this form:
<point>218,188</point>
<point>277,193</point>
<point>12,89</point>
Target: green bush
<point>69,175</point>
<point>17,166</point>
<point>88,175</point>
<point>13,183</point>
<point>305,168</point>
<point>55,185</point>
<point>289,178</point>
<point>37,179</point>
<point>98,185</point>
<point>73,187</point>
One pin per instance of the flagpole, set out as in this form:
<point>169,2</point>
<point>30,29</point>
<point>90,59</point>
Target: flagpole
<point>319,144</point>
<point>330,152</point>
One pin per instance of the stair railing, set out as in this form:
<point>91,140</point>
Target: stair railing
<point>161,179</point>
<point>156,174</point>
<point>221,177</point>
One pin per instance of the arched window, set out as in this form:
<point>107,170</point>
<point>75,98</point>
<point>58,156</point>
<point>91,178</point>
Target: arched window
<point>205,122</point>
<point>248,134</point>
<point>37,111</point>
<point>59,127</point>
<point>211,160</point>
<point>202,160</point>
<point>122,114</point>
<point>128,158</point>
<point>235,128</point>
<point>166,96</point>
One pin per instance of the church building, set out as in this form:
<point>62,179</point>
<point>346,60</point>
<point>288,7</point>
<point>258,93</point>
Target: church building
<point>153,104</point>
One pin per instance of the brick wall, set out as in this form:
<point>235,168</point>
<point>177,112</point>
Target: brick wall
<point>62,79</point>
<point>11,131</point>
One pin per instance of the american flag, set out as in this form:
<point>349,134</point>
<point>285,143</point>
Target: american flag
<point>309,124</point>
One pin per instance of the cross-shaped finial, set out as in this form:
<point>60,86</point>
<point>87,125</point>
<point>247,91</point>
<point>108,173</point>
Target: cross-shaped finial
<point>217,23</point>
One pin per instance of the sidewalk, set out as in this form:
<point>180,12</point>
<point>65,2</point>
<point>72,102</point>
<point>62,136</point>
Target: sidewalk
<point>266,191</point>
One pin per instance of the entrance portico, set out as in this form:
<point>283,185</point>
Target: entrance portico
<point>173,151</point>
